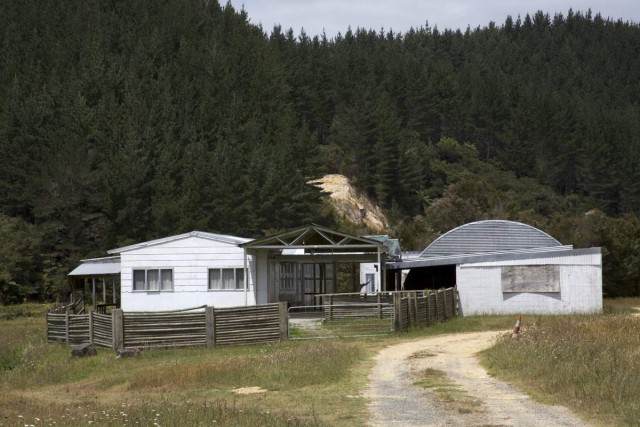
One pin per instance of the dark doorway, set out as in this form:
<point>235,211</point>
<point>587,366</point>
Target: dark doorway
<point>442,276</point>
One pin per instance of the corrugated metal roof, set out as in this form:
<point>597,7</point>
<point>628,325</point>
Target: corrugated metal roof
<point>552,255</point>
<point>97,267</point>
<point>211,236</point>
<point>488,236</point>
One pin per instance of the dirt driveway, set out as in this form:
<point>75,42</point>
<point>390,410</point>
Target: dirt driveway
<point>456,390</point>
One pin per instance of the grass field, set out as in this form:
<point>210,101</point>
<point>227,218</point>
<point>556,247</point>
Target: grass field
<point>297,383</point>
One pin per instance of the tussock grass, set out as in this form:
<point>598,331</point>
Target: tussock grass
<point>621,305</point>
<point>8,312</point>
<point>588,363</point>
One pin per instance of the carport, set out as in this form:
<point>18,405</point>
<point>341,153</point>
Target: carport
<point>298,264</point>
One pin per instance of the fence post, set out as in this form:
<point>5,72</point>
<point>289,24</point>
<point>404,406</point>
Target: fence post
<point>46,316</point>
<point>456,301</point>
<point>91,327</point>
<point>66,328</point>
<point>117,322</point>
<point>397,309</point>
<point>284,321</point>
<point>427,297</point>
<point>437,306</point>
<point>330,307</point>
<point>210,319</point>
<point>379,305</point>
<point>444,296</point>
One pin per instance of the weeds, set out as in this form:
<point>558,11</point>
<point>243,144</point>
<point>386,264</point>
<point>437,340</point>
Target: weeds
<point>589,363</point>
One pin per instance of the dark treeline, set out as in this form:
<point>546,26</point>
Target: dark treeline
<point>126,121</point>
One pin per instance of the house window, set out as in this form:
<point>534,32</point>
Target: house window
<point>154,280</point>
<point>226,278</point>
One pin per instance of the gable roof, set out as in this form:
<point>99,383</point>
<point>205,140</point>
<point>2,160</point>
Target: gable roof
<point>200,234</point>
<point>317,238</point>
<point>488,236</point>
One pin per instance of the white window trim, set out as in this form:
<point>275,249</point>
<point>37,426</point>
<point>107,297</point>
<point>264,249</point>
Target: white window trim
<point>146,281</point>
<point>235,279</point>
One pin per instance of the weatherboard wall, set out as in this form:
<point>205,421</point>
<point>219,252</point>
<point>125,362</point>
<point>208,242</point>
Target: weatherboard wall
<point>481,286</point>
<point>190,259</point>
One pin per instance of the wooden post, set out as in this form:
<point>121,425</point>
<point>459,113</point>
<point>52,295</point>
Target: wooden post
<point>93,292</point>
<point>46,316</point>
<point>427,299</point>
<point>437,306</point>
<point>397,309</point>
<point>117,322</point>
<point>66,328</point>
<point>284,321</point>
<point>210,318</point>
<point>444,296</point>
<point>379,305</point>
<point>330,307</point>
<point>456,302</point>
<point>91,326</point>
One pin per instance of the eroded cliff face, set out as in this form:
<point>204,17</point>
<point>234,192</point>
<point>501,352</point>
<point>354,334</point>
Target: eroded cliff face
<point>355,207</point>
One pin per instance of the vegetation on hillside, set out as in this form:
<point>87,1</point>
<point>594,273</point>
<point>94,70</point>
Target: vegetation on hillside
<point>121,122</point>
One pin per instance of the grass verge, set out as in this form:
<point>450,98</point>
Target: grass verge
<point>587,363</point>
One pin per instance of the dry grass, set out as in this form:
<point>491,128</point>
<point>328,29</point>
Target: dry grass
<point>588,363</point>
<point>306,383</point>
<point>594,360</point>
<point>621,306</point>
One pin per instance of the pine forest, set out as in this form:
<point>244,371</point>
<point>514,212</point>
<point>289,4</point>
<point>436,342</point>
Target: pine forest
<point>126,121</point>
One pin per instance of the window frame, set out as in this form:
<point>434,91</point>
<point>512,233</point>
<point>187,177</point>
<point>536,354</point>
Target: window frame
<point>238,279</point>
<point>161,272</point>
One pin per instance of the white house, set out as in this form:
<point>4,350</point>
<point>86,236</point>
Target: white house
<point>184,271</point>
<point>509,267</point>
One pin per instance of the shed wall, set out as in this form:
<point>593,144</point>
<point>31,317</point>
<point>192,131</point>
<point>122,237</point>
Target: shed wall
<point>480,288</point>
<point>190,259</point>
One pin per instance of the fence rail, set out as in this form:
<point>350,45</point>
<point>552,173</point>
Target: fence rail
<point>344,315</point>
<point>424,307</point>
<point>209,326</point>
<point>340,320</point>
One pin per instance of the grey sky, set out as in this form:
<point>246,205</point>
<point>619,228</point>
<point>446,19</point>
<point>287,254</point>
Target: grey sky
<point>337,15</point>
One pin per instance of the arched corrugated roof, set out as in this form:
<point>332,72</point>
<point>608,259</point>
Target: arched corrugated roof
<point>489,236</point>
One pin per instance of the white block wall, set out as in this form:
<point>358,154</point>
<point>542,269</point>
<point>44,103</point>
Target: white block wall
<point>480,288</point>
<point>190,259</point>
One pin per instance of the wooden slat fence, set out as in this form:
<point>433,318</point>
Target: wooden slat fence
<point>102,329</point>
<point>424,307</point>
<point>247,324</point>
<point>208,326</point>
<point>56,328</point>
<point>164,329</point>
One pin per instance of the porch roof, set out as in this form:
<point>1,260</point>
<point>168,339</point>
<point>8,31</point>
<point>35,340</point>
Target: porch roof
<point>107,266</point>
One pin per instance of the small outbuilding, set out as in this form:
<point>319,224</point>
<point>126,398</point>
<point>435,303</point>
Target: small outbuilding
<point>508,267</point>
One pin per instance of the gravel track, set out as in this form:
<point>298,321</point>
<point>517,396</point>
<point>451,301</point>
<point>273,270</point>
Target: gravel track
<point>394,400</point>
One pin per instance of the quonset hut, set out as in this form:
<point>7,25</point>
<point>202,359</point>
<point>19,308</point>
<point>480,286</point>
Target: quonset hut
<point>508,267</point>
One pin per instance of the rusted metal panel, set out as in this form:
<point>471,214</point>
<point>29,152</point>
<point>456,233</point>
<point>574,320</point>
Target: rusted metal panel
<point>527,278</point>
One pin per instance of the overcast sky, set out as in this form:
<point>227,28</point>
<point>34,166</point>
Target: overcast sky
<point>335,16</point>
